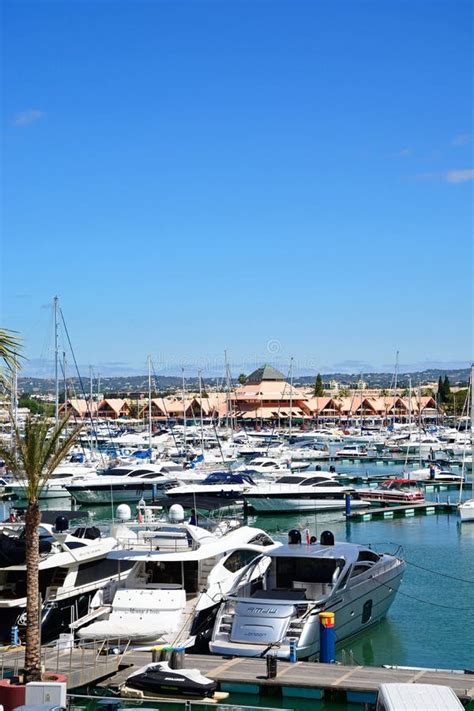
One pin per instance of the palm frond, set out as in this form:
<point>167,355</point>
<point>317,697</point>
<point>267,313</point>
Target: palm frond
<point>37,453</point>
<point>10,345</point>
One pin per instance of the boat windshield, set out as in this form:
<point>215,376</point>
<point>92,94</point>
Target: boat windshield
<point>175,573</point>
<point>306,570</point>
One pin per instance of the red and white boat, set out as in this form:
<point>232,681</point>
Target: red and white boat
<point>393,491</point>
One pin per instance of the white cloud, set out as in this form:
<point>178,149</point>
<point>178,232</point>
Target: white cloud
<point>462,139</point>
<point>450,176</point>
<point>24,118</point>
<point>459,176</point>
<point>403,153</point>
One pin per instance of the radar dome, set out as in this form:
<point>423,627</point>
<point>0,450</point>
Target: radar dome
<point>176,513</point>
<point>123,512</point>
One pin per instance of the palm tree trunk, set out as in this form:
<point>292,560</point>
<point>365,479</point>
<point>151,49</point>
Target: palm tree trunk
<point>33,642</point>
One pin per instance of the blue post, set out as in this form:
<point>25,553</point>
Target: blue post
<point>348,504</point>
<point>14,636</point>
<point>293,656</point>
<point>327,638</point>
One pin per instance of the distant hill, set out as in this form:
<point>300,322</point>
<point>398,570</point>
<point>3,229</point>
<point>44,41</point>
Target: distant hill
<point>164,383</point>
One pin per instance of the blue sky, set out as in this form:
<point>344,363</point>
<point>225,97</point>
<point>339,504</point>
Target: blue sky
<point>272,178</point>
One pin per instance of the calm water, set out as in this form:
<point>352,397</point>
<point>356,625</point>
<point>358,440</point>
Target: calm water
<point>431,622</point>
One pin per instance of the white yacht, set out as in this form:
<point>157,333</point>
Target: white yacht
<point>73,566</point>
<point>310,491</point>
<point>127,483</point>
<point>270,465</point>
<point>349,451</point>
<point>263,614</point>
<point>55,487</point>
<point>172,592</point>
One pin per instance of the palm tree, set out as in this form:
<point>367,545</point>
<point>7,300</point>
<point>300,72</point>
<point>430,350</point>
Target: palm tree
<point>10,345</point>
<point>33,459</point>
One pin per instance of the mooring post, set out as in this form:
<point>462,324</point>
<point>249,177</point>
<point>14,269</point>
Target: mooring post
<point>348,504</point>
<point>327,638</point>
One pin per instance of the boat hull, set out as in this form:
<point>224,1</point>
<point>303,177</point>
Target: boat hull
<point>270,504</point>
<point>466,510</point>
<point>108,496</point>
<point>357,609</point>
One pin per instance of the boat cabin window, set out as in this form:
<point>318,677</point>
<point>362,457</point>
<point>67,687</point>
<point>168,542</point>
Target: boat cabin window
<point>368,556</point>
<point>142,472</point>
<point>119,471</point>
<point>291,479</point>
<point>238,559</point>
<point>306,570</point>
<point>261,539</point>
<point>360,568</point>
<point>173,572</point>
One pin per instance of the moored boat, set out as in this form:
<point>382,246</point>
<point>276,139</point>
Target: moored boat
<point>300,581</point>
<point>394,491</point>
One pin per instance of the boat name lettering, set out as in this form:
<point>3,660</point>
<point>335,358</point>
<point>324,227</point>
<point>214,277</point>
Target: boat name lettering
<point>262,610</point>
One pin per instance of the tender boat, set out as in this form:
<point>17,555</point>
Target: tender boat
<point>301,580</point>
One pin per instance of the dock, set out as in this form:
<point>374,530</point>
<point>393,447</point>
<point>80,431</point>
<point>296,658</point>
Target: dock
<point>93,665</point>
<point>427,508</point>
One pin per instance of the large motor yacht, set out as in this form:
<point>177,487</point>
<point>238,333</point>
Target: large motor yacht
<point>73,566</point>
<point>301,580</point>
<point>172,593</point>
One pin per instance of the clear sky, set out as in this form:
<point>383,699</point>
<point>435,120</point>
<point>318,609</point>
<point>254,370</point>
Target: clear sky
<point>272,178</point>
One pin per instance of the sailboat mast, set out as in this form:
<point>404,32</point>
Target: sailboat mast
<point>229,414</point>
<point>200,410</point>
<point>409,401</point>
<point>291,395</point>
<point>56,360</point>
<point>14,402</point>
<point>65,383</point>
<point>184,410</point>
<point>472,429</point>
<point>395,383</point>
<point>149,405</point>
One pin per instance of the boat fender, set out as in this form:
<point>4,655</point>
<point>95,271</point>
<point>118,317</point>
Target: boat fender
<point>294,537</point>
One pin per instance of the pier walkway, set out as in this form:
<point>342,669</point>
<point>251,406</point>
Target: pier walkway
<point>401,511</point>
<point>89,665</point>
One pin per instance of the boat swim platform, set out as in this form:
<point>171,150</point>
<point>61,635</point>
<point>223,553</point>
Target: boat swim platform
<point>428,508</point>
<point>88,666</point>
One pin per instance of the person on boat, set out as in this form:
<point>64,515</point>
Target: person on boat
<point>432,472</point>
<point>193,521</point>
